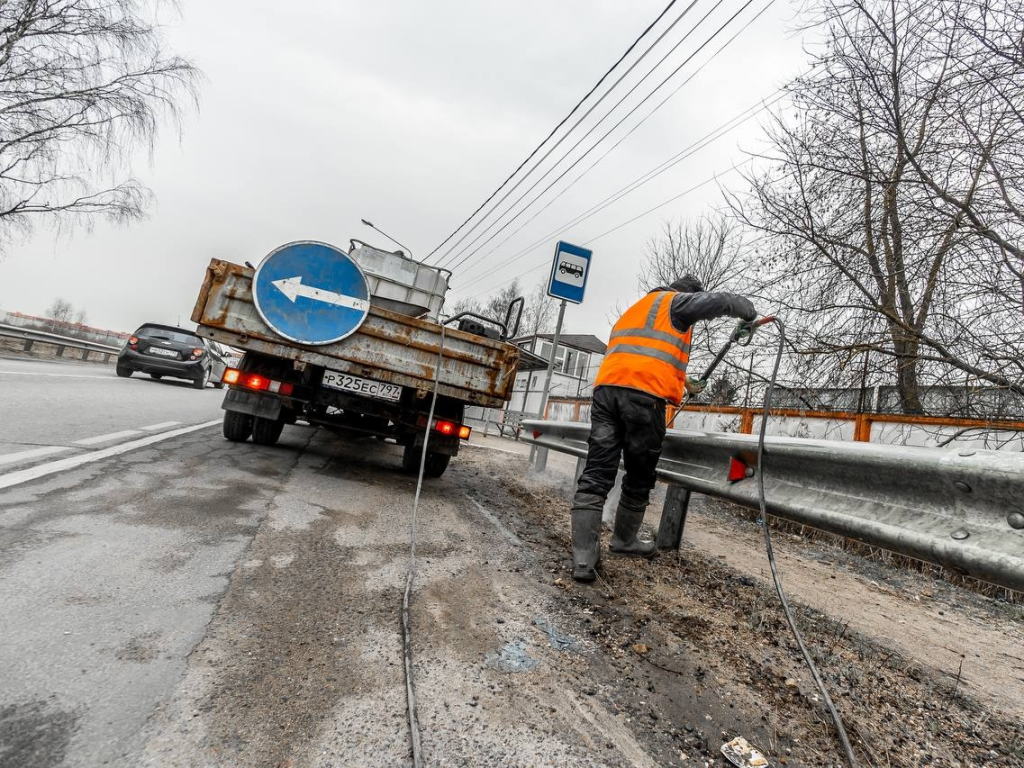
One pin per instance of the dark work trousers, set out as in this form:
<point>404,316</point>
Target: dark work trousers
<point>629,423</point>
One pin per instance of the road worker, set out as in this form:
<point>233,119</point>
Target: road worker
<point>644,369</point>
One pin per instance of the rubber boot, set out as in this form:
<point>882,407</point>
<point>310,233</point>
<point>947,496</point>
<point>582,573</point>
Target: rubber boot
<point>624,543</point>
<point>586,536</point>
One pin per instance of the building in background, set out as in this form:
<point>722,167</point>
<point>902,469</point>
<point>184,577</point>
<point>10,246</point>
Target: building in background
<point>577,360</point>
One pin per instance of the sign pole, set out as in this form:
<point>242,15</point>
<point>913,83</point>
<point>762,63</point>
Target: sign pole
<point>542,453</point>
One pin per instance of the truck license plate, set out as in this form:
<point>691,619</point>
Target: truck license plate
<point>358,386</point>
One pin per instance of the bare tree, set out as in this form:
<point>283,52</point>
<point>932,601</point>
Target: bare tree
<point>82,84</point>
<point>496,305</point>
<point>64,312</point>
<point>61,310</point>
<point>539,312</point>
<point>889,228</point>
<point>711,249</point>
<point>708,247</point>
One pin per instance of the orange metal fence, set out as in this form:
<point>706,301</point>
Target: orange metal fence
<point>862,422</point>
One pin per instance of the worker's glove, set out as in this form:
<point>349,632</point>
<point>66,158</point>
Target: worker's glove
<point>743,332</point>
<point>695,386</point>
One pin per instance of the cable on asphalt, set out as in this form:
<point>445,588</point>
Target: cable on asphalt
<point>766,412</point>
<point>560,124</point>
<point>410,688</point>
<point>469,250</point>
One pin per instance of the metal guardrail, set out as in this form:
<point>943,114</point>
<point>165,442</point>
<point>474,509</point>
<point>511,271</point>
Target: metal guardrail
<point>30,337</point>
<point>962,509</point>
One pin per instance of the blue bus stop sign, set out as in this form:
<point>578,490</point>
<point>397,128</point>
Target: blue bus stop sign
<point>311,293</point>
<point>569,272</point>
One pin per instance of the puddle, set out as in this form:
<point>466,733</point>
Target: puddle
<point>512,658</point>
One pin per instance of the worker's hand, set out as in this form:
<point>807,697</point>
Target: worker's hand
<point>695,386</point>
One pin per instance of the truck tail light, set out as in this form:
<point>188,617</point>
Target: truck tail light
<point>256,382</point>
<point>449,428</point>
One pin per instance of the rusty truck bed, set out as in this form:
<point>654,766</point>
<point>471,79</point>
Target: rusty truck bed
<point>388,346</point>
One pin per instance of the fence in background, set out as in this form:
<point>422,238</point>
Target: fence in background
<point>29,338</point>
<point>890,429</point>
<point>67,330</point>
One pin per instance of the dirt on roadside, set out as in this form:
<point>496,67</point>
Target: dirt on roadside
<point>709,621</point>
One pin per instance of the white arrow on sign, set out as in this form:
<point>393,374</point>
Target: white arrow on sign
<point>292,287</point>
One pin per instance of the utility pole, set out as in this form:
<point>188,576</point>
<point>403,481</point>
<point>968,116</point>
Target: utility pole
<point>542,453</point>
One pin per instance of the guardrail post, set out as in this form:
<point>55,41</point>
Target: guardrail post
<point>106,359</point>
<point>673,517</point>
<point>581,464</point>
<point>60,350</point>
<point>85,354</point>
<point>28,344</point>
<point>541,461</point>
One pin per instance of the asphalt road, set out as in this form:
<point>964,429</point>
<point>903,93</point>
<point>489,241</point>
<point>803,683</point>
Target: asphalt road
<point>46,404</point>
<point>196,602</point>
<point>169,598</point>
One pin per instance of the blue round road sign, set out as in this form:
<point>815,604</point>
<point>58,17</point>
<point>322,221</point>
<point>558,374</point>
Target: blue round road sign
<point>311,293</point>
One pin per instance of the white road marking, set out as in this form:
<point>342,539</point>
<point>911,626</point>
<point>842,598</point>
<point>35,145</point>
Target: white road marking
<point>107,438</point>
<point>34,473</point>
<point>35,453</point>
<point>55,375</point>
<point>161,425</point>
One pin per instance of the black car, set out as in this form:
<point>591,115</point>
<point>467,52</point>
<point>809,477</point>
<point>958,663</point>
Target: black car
<point>163,350</point>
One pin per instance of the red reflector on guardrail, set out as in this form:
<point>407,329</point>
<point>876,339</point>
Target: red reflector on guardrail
<point>737,469</point>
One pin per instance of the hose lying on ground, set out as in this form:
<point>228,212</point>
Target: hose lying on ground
<point>410,689</point>
<point>769,391</point>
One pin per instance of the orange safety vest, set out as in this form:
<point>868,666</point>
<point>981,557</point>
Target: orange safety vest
<point>646,352</point>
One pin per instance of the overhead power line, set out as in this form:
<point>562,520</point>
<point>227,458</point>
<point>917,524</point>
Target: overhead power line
<point>448,254</point>
<point>543,264</point>
<point>684,154</point>
<point>466,253</point>
<point>560,124</point>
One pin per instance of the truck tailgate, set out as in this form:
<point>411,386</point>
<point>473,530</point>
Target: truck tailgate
<point>388,346</point>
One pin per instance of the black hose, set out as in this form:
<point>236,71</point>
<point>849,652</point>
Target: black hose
<point>410,688</point>
<point>836,718</point>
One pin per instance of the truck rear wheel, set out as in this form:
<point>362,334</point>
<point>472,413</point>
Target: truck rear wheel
<point>437,463</point>
<point>435,466</point>
<point>266,431</point>
<point>237,426</point>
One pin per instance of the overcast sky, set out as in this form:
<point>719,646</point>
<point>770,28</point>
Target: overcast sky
<point>317,113</point>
